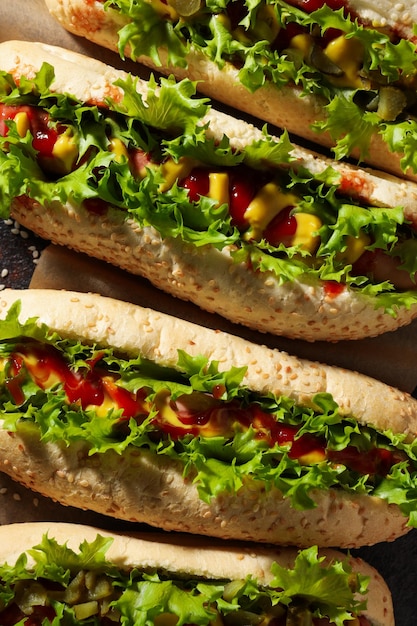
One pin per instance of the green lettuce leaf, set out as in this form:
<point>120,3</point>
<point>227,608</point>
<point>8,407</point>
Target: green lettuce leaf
<point>330,587</point>
<point>147,33</point>
<point>168,107</point>
<point>217,464</point>
<point>348,125</point>
<point>258,62</point>
<point>171,123</point>
<point>142,604</point>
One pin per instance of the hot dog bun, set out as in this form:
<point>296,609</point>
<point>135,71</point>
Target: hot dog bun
<point>142,487</point>
<point>286,107</point>
<point>207,276</point>
<point>188,558</point>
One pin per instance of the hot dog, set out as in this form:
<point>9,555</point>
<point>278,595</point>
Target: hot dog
<point>341,73</point>
<point>148,418</point>
<point>98,577</point>
<point>166,188</point>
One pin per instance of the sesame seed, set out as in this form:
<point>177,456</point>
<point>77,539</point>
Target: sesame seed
<point>21,257</point>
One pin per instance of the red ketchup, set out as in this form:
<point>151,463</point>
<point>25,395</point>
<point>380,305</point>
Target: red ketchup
<point>282,228</point>
<point>309,6</point>
<point>313,5</point>
<point>85,388</point>
<point>197,414</point>
<point>242,189</point>
<point>197,183</point>
<point>376,461</point>
<point>44,137</point>
<point>332,289</point>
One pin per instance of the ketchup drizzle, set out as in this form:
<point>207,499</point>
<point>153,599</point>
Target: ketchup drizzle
<point>44,135</point>
<point>197,414</point>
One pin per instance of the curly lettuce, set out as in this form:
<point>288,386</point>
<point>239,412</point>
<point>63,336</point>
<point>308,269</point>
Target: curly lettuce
<point>310,587</point>
<point>217,463</point>
<point>171,124</point>
<point>259,59</point>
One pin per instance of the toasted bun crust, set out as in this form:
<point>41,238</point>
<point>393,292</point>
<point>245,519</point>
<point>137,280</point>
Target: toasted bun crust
<point>92,81</point>
<point>157,336</point>
<point>141,488</point>
<point>285,107</point>
<point>206,276</point>
<point>189,557</point>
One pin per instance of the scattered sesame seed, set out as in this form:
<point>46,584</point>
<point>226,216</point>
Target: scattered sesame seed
<point>19,259</point>
<point>17,497</point>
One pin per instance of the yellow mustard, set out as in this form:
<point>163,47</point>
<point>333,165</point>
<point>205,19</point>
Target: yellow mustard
<point>219,187</point>
<point>65,151</point>
<point>173,171</point>
<point>118,148</point>
<point>305,234</point>
<point>312,458</point>
<point>348,55</point>
<point>355,247</point>
<point>22,123</point>
<point>267,203</point>
<point>302,42</point>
